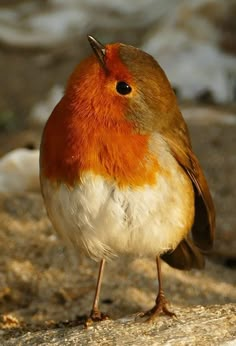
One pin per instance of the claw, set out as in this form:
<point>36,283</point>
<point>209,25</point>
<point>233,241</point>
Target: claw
<point>160,307</point>
<point>95,316</point>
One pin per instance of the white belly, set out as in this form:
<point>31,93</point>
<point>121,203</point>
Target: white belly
<point>104,220</point>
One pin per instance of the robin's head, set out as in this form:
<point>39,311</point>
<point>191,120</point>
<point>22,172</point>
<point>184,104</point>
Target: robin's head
<point>122,82</point>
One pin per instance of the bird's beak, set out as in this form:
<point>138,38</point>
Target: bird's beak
<point>98,49</point>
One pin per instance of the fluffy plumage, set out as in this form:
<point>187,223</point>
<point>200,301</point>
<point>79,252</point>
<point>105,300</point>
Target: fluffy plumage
<point>107,220</point>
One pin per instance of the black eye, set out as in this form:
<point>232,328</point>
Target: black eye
<point>123,88</point>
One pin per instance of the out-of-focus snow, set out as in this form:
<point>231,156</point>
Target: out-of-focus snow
<point>43,109</point>
<point>194,67</point>
<point>36,25</point>
<point>19,171</point>
<point>184,36</point>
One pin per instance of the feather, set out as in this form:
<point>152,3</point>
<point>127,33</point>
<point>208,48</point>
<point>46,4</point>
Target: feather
<point>185,257</point>
<point>203,228</point>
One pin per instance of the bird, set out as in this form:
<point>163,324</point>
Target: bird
<point>117,170</point>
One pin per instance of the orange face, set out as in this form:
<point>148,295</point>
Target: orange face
<point>89,130</point>
<point>92,90</point>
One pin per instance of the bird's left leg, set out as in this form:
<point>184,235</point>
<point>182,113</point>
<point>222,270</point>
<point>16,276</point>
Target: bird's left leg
<point>96,315</point>
<point>161,302</point>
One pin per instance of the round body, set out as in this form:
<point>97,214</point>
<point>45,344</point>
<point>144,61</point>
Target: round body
<point>99,216</point>
<point>117,170</point>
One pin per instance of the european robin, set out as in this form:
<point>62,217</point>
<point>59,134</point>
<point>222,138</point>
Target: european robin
<point>117,170</point>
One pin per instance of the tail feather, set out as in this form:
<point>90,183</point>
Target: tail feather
<point>185,257</point>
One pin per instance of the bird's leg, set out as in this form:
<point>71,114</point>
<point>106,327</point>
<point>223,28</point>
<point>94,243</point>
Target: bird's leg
<point>96,315</point>
<point>161,302</point>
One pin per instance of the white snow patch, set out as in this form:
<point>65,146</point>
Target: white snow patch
<point>19,171</point>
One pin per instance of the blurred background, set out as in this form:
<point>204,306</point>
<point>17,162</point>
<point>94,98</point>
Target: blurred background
<point>42,41</point>
<point>40,44</point>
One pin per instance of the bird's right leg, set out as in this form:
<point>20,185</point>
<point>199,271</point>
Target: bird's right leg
<point>161,302</point>
<point>96,315</point>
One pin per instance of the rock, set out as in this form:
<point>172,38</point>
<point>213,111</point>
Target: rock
<point>209,325</point>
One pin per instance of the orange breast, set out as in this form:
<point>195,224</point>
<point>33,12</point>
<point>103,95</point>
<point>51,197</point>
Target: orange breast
<point>73,145</point>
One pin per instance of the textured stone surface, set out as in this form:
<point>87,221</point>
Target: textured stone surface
<point>212,325</point>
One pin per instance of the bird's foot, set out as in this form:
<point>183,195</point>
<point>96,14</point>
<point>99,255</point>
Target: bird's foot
<point>159,308</point>
<point>95,316</point>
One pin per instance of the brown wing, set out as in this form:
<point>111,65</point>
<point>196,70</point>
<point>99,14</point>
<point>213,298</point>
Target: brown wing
<point>203,228</point>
